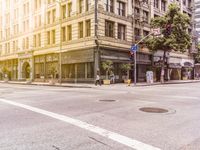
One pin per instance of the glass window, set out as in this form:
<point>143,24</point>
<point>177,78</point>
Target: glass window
<point>121,32</point>
<point>88,28</point>
<point>81,70</point>
<point>109,28</point>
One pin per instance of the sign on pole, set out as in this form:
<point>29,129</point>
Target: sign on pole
<point>134,48</point>
<point>156,31</point>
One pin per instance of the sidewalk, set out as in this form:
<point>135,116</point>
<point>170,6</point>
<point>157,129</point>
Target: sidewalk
<point>90,85</point>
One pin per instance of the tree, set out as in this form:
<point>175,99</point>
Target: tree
<point>107,66</point>
<point>127,68</point>
<point>173,25</point>
<point>197,56</point>
<point>5,72</point>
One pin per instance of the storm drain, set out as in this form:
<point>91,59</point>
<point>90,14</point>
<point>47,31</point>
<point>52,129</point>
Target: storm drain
<point>107,100</point>
<point>153,110</point>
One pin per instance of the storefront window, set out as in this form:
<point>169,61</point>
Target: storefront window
<point>39,70</point>
<point>68,71</point>
<point>90,70</point>
<point>81,70</point>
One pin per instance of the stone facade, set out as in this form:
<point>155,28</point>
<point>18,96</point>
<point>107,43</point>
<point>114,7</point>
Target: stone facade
<point>42,35</point>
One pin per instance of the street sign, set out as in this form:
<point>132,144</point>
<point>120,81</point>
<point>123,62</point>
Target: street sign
<point>156,31</point>
<point>134,48</point>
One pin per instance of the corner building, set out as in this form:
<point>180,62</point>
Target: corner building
<point>74,37</point>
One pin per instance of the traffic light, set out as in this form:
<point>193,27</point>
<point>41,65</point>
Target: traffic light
<point>168,29</point>
<point>131,56</point>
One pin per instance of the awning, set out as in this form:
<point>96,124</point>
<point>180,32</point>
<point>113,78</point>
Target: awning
<point>175,65</point>
<point>187,63</point>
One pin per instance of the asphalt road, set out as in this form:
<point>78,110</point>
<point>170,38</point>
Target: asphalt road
<point>58,118</point>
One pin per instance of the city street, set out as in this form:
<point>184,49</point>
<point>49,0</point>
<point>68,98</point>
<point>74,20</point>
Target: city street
<point>99,118</point>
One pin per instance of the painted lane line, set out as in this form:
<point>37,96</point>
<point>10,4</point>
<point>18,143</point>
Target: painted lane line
<point>100,131</point>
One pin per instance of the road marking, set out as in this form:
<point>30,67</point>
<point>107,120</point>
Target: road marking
<point>103,132</point>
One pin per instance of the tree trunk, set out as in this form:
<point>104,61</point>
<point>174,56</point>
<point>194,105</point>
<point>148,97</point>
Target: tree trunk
<point>162,74</point>
<point>128,74</point>
<point>107,75</point>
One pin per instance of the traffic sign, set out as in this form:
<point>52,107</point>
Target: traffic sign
<point>134,48</point>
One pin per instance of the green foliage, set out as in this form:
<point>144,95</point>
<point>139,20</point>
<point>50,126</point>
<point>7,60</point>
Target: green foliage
<point>127,68</point>
<point>107,66</point>
<point>53,71</point>
<point>197,56</point>
<point>5,70</point>
<point>178,39</point>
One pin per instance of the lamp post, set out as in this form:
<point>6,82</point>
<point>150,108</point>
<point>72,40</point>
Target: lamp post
<point>136,15</point>
<point>60,44</point>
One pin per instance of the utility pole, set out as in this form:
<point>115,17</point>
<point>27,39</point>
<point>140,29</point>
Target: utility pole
<point>96,56</point>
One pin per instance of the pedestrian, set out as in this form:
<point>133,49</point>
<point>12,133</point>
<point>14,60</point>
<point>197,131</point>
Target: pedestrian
<point>98,80</point>
<point>112,77</point>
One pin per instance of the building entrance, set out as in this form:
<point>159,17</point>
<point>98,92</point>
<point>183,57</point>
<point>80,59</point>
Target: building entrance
<point>26,70</point>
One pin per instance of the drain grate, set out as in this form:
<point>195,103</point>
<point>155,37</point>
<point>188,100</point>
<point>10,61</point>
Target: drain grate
<point>153,110</point>
<point>107,100</point>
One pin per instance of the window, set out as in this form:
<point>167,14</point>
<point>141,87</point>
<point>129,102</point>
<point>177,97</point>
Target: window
<point>53,15</point>
<point>64,11</point>
<point>121,32</point>
<point>87,5</point>
<point>48,37</point>
<point>109,28</point>
<point>40,20</point>
<point>80,6</point>
<point>48,17</point>
<point>53,37</point>
<point>145,16</point>
<point>13,45</point>
<point>37,4</point>
<point>0,50</point>
<point>137,34</point>
<point>155,4</point>
<point>90,70</point>
<point>88,28</point>
<point>136,13</point>
<point>69,32</point>
<point>109,5</point>
<point>34,41</point>
<point>63,34</point>
<point>121,8</point>
<point>80,29</point>
<point>39,39</point>
<point>69,9</point>
<point>163,5</point>
<point>184,2</point>
<point>81,70</point>
<point>145,33</point>
<point>27,43</point>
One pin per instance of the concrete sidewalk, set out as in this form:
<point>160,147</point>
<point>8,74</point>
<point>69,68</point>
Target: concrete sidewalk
<point>90,85</point>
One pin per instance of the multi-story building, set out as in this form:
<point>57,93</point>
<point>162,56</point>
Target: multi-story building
<point>73,37</point>
<point>197,16</point>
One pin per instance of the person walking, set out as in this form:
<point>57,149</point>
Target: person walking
<point>98,80</point>
<point>112,77</point>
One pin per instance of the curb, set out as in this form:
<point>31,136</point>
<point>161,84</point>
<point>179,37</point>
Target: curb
<point>165,83</point>
<point>82,86</point>
<point>55,85</point>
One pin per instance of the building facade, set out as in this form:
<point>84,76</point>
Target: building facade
<point>69,39</point>
<point>197,16</point>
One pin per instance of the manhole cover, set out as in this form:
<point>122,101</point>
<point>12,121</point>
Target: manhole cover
<point>153,110</point>
<point>107,100</point>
